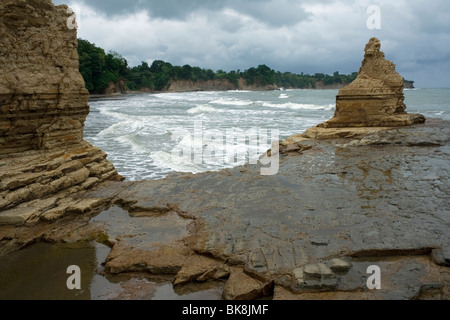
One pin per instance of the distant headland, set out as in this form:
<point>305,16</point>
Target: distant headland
<point>109,73</point>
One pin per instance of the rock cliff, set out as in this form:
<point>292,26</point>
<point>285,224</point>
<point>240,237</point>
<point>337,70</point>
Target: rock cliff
<point>216,85</point>
<point>116,88</point>
<point>375,98</point>
<point>211,85</point>
<point>43,106</point>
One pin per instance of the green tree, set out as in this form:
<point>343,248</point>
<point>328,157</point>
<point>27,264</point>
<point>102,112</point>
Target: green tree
<point>92,64</point>
<point>187,72</point>
<point>140,77</point>
<point>162,73</point>
<point>117,64</point>
<point>99,69</point>
<point>233,77</point>
<point>209,75</point>
<point>220,74</point>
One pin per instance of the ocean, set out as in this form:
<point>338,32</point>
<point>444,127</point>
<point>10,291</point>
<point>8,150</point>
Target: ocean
<point>148,136</point>
<point>139,134</point>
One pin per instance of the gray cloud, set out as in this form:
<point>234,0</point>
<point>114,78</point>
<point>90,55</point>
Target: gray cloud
<point>288,35</point>
<point>273,13</point>
<point>169,9</point>
<point>280,12</point>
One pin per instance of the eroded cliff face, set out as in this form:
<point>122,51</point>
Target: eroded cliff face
<point>217,85</point>
<point>43,108</point>
<point>43,99</point>
<point>375,98</point>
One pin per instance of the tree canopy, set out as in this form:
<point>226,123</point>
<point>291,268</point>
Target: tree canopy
<point>99,69</point>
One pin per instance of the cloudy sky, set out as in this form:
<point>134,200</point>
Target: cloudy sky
<point>287,35</point>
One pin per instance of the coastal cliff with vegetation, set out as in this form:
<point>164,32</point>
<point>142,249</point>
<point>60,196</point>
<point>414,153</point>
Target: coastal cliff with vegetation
<point>110,73</point>
<point>350,194</point>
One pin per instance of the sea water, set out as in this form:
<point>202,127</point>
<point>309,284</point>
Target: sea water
<point>137,132</point>
<point>142,133</point>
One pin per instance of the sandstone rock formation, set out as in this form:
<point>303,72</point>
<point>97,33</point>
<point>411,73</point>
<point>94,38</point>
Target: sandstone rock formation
<point>336,207</point>
<point>116,88</point>
<point>43,107</point>
<point>217,85</point>
<point>375,98</point>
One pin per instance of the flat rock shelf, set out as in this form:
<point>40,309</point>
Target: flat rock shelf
<point>335,208</point>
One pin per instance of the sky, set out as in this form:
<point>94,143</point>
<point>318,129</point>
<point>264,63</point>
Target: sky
<point>310,36</point>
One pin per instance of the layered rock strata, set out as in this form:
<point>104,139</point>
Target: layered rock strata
<point>375,98</point>
<point>217,85</point>
<point>43,107</point>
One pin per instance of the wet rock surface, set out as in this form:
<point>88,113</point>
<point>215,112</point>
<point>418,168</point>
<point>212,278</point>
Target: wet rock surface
<point>335,208</point>
<point>380,200</point>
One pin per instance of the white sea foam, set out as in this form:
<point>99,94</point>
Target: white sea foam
<point>187,96</point>
<point>119,114</point>
<point>204,108</point>
<point>120,128</point>
<point>298,106</point>
<point>239,91</point>
<point>232,102</point>
<point>131,141</point>
<point>141,132</point>
<point>165,160</point>
<point>195,156</point>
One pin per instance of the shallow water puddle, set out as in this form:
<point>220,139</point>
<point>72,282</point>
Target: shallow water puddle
<point>39,273</point>
<point>166,228</point>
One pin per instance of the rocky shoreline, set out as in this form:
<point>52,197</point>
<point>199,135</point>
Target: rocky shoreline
<point>189,86</point>
<point>116,94</point>
<point>336,207</point>
<point>368,188</point>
